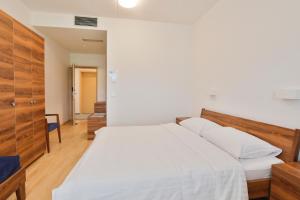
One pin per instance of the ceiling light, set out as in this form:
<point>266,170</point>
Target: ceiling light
<point>128,3</point>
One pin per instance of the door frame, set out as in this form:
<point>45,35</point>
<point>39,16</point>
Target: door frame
<point>74,67</point>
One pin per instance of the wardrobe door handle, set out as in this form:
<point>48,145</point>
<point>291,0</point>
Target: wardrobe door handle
<point>13,104</point>
<point>33,101</point>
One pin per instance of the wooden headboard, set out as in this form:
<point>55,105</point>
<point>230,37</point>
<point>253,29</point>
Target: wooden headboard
<point>286,139</point>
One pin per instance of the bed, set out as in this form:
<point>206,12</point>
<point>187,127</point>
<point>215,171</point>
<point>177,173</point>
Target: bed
<point>169,162</point>
<point>286,139</point>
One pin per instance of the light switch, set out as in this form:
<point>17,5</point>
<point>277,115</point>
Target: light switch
<point>113,75</point>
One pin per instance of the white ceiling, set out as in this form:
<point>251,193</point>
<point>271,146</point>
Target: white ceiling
<point>177,11</point>
<point>71,39</point>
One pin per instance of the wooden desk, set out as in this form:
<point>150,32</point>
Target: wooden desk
<point>15,183</point>
<point>95,122</point>
<point>100,107</point>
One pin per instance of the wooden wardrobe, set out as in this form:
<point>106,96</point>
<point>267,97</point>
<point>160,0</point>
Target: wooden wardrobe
<point>22,95</point>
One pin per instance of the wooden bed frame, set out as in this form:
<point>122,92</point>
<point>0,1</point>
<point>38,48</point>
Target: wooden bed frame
<point>286,139</point>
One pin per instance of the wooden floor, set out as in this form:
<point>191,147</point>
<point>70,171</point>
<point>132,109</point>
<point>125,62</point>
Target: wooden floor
<point>50,170</point>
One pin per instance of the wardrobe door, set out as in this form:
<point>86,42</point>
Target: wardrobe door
<point>23,93</point>
<point>7,94</point>
<point>38,91</point>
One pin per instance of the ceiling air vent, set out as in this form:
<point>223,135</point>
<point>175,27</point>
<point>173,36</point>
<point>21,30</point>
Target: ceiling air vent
<point>91,40</point>
<point>86,21</point>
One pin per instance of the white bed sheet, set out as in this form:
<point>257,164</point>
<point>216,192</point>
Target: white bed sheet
<point>165,162</point>
<point>259,168</point>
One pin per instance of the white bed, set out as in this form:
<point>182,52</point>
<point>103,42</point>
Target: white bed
<point>165,162</point>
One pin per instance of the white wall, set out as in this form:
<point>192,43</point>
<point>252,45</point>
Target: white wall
<point>246,50</point>
<point>17,9</point>
<point>56,80</point>
<point>93,60</point>
<point>154,64</point>
<point>56,60</point>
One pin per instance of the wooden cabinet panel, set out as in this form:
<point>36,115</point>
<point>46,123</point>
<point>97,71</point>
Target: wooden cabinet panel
<point>23,93</point>
<point>22,43</point>
<point>7,95</point>
<point>39,137</point>
<point>37,49</point>
<point>38,93</point>
<point>24,123</point>
<point>6,36</point>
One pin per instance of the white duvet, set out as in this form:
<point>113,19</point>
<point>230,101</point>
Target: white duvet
<point>165,162</point>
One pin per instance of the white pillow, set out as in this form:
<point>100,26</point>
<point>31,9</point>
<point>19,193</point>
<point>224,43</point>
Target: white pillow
<point>239,144</point>
<point>198,125</point>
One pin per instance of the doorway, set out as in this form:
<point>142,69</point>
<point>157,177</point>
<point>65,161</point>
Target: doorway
<point>86,48</point>
<point>85,91</point>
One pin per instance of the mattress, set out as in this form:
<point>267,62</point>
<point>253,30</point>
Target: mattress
<point>259,168</point>
<point>153,163</point>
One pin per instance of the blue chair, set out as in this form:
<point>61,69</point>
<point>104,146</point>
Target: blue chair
<point>12,177</point>
<point>51,127</point>
<point>8,166</point>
